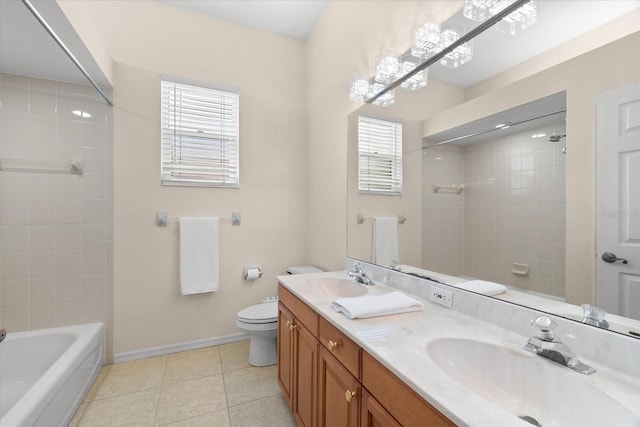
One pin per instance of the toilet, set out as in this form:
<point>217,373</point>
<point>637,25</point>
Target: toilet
<point>260,322</point>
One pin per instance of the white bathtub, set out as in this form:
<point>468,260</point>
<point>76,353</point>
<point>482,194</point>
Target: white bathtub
<point>45,374</point>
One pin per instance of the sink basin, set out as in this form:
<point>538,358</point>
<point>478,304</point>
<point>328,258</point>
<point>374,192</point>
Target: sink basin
<point>528,386</point>
<point>337,287</point>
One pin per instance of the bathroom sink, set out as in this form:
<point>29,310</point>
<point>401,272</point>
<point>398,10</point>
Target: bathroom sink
<point>528,386</point>
<point>337,287</point>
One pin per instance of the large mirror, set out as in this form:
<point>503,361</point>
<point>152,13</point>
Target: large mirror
<point>499,168</point>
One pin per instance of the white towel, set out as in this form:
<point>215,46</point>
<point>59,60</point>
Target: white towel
<point>199,259</point>
<point>385,241</point>
<point>482,287</point>
<point>376,305</point>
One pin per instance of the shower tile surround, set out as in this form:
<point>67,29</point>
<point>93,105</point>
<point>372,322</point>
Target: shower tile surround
<point>512,210</point>
<point>55,229</point>
<point>615,351</point>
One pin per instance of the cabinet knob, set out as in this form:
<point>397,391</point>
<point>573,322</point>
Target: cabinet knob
<point>292,326</point>
<point>349,395</point>
<point>333,345</point>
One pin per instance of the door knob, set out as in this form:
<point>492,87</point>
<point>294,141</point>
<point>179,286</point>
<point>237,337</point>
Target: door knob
<point>611,257</point>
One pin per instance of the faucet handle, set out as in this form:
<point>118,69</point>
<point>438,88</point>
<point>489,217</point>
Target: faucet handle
<point>545,328</point>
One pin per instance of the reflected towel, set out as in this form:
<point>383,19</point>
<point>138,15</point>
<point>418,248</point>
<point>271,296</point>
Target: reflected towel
<point>199,258</point>
<point>385,241</point>
<point>376,305</point>
<point>482,287</point>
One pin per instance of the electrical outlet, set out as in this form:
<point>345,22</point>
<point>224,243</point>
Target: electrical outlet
<point>441,296</point>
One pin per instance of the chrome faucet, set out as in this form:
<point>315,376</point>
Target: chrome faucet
<point>359,275</point>
<point>594,316</point>
<point>547,345</point>
<point>3,334</point>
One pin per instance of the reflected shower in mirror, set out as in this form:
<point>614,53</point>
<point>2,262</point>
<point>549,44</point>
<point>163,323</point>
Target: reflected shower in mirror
<point>499,176</point>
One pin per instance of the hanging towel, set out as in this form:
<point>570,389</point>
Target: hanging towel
<point>199,258</point>
<point>482,287</point>
<point>385,241</point>
<point>376,305</point>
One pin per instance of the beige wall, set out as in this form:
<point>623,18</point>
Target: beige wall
<point>269,71</point>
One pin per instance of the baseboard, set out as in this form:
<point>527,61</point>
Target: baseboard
<point>175,348</point>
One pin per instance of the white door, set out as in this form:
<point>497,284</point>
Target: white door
<point>618,195</point>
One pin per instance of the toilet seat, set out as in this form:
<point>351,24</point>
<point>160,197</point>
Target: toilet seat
<point>266,312</point>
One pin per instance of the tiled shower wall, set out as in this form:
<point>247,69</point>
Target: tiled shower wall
<point>512,210</point>
<point>56,246</point>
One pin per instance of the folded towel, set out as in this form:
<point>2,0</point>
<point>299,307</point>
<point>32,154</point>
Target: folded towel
<point>385,241</point>
<point>199,263</point>
<point>482,287</point>
<point>376,305</point>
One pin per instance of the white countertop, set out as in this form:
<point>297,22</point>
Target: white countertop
<point>400,342</point>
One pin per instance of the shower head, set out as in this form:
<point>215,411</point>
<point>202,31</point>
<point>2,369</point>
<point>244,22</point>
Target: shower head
<point>556,138</point>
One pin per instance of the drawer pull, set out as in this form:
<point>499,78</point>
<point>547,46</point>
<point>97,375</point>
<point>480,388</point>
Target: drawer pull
<point>333,345</point>
<point>349,395</point>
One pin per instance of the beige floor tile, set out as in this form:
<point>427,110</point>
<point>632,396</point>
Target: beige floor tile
<point>78,415</point>
<point>212,419</point>
<point>134,409</point>
<point>189,365</point>
<point>129,377</point>
<point>271,411</point>
<point>251,383</point>
<point>234,356</point>
<point>96,385</point>
<point>187,399</point>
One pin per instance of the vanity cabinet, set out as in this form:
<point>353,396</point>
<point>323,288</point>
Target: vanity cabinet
<point>329,381</point>
<point>297,360</point>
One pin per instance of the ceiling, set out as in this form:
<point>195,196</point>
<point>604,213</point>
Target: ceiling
<point>289,18</point>
<point>25,48</point>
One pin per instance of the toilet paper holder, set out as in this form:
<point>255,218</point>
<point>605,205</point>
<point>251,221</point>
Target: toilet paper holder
<point>252,272</point>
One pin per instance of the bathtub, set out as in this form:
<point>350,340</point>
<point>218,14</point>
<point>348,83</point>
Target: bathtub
<point>45,374</point>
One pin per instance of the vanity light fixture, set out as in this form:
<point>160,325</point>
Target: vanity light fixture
<point>458,56</point>
<point>387,68</point>
<point>360,88</point>
<point>389,65</point>
<point>416,81</point>
<point>387,99</point>
<point>480,10</point>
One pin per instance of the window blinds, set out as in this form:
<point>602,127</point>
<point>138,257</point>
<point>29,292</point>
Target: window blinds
<point>379,156</point>
<point>199,141</point>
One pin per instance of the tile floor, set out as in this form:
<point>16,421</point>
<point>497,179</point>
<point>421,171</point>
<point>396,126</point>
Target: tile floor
<point>213,386</point>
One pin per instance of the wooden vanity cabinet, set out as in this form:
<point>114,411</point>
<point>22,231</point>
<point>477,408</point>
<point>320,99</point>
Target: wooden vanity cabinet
<point>339,393</point>
<point>329,381</point>
<point>373,413</point>
<point>298,359</point>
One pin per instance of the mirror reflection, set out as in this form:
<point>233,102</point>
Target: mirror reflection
<point>499,183</point>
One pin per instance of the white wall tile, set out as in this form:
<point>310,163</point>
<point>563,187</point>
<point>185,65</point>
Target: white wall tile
<point>14,238</point>
<point>69,186</point>
<point>14,184</point>
<point>42,104</point>
<point>69,313</point>
<point>42,210</point>
<point>42,238</point>
<point>93,185</point>
<point>15,100</point>
<point>69,210</point>
<point>94,311</point>
<point>69,263</point>
<point>42,291</point>
<point>69,236</point>
<point>42,264</point>
<point>42,316</point>
<point>69,289</point>
<point>93,287</point>
<point>41,185</point>
<point>13,210</point>
<point>15,319</point>
<point>14,266</point>
<point>93,261</point>
<point>14,294</point>
<point>93,236</point>
<point>93,211</point>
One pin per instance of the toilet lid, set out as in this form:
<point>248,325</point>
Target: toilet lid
<point>260,313</point>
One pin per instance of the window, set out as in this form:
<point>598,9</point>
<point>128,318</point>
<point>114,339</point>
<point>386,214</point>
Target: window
<point>379,156</point>
<point>199,141</point>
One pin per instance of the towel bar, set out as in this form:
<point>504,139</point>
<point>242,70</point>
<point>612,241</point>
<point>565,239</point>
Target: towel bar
<point>162,219</point>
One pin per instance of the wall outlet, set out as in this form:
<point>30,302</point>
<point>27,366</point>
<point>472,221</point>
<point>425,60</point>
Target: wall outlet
<point>441,296</point>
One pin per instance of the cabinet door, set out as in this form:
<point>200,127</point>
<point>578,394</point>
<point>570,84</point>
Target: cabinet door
<point>304,377</point>
<point>285,353</point>
<point>374,415</point>
<point>339,393</point>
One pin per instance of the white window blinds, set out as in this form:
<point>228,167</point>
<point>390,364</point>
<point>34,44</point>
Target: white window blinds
<point>379,156</point>
<point>199,141</point>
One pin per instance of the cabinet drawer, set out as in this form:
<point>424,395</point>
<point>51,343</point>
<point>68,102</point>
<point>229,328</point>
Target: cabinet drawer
<point>410,409</point>
<point>300,310</point>
<point>342,348</point>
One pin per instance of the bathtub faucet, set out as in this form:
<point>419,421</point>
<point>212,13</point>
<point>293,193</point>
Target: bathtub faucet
<point>3,334</point>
